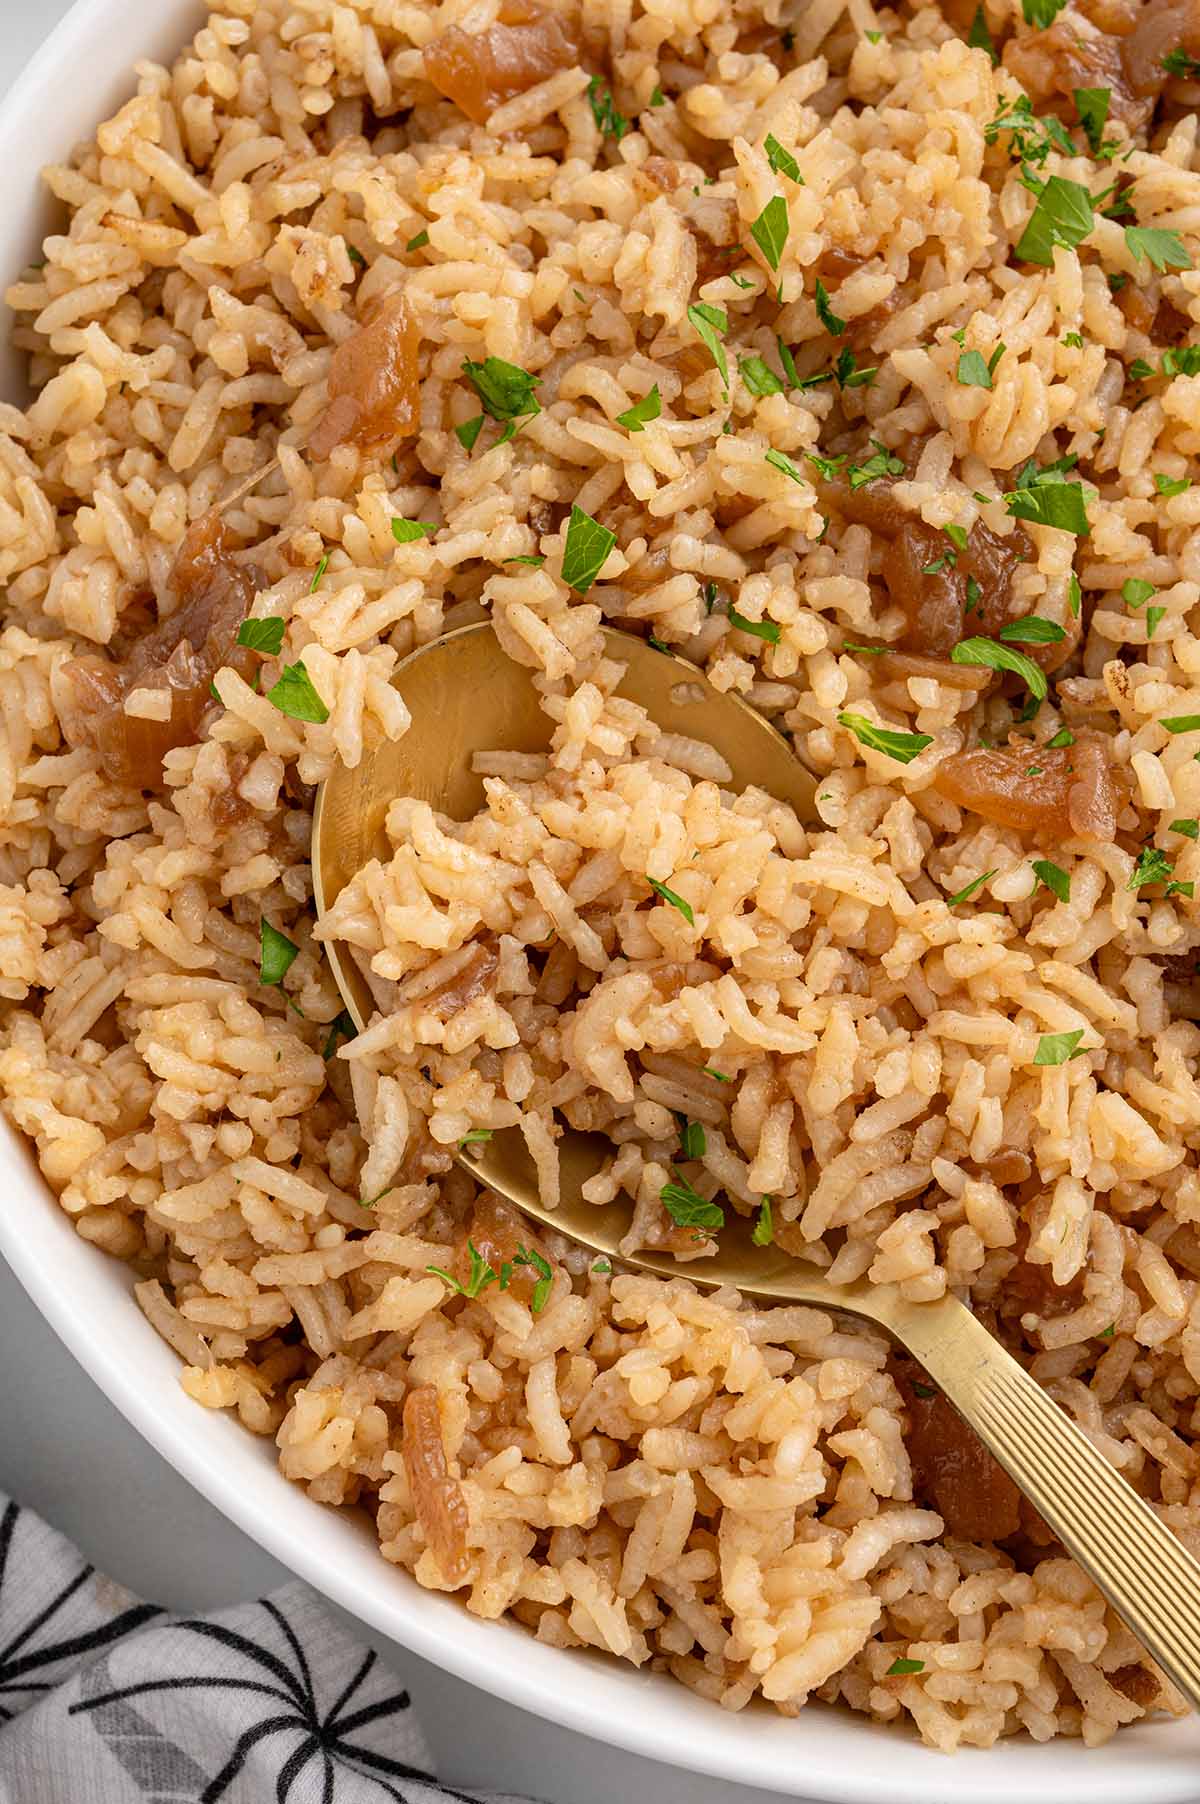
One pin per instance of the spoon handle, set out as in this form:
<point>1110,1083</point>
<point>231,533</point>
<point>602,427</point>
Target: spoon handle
<point>1148,1576</point>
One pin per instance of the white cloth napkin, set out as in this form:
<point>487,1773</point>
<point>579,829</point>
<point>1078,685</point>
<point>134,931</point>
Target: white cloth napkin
<point>107,1700</point>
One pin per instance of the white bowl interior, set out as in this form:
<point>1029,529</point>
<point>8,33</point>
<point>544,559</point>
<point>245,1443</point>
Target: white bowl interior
<point>82,73</point>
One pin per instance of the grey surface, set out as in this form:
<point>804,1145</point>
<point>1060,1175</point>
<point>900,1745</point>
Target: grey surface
<point>66,1451</point>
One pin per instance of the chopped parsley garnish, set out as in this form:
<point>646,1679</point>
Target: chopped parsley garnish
<point>481,1274</point>
<point>1165,250</point>
<point>763,1232</point>
<point>1181,723</point>
<point>468,432</point>
<point>275,955</point>
<point>611,123</point>
<point>587,545</point>
<point>418,243</point>
<point>847,374</point>
<point>318,574</point>
<point>534,563</point>
<point>1032,630</point>
<point>1139,370</point>
<point>884,463</point>
<point>340,1028</point>
<point>900,1668</point>
<point>536,1262</point>
<point>759,377</point>
<point>1062,738</point>
<point>693,1143</point>
<point>712,324</point>
<point>602,1267</point>
<point>1152,866</point>
<point>1056,1049</point>
<point>974,371</point>
<point>1074,595</point>
<point>979,37</point>
<point>831,321</point>
<point>264,634</point>
<point>1181,889</point>
<point>1171,485</point>
<point>1054,877</point>
<point>1063,216</point>
<point>1092,106</point>
<point>1189,828</point>
<point>1153,616</point>
<point>1073,340</point>
<point>779,460</point>
<point>970,889</point>
<point>782,161</point>
<point>758,629</point>
<point>668,895</point>
<point>657,98</point>
<point>1181,360</point>
<point>1048,499</point>
<point>648,408</point>
<point>504,389</point>
<point>1032,138</point>
<point>406,531</point>
<point>687,1208</point>
<point>475,1137</point>
<point>770,230</point>
<point>1178,62</point>
<point>903,747</point>
<point>788,362</point>
<point>957,535</point>
<point>1136,591</point>
<point>295,696</point>
<point>995,656</point>
<point>974,595</point>
<point>722,1077</point>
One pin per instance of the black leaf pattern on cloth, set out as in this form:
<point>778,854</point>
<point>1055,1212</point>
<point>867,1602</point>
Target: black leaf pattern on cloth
<point>104,1700</point>
<point>52,1610</point>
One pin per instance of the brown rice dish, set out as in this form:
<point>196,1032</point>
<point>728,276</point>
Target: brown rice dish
<point>855,355</point>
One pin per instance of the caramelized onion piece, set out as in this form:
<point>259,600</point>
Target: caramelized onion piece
<point>497,1233</point>
<point>480,70</point>
<point>437,1498</point>
<point>934,601</point>
<point>1074,795</point>
<point>952,1469</point>
<point>1077,53</point>
<point>468,983</point>
<point>181,655</point>
<point>374,384</point>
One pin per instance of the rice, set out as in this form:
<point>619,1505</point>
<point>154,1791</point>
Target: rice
<point>742,1498</point>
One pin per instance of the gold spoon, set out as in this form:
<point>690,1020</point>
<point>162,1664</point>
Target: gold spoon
<point>466,696</point>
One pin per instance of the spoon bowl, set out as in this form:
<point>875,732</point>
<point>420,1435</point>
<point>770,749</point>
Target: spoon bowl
<point>466,697</point>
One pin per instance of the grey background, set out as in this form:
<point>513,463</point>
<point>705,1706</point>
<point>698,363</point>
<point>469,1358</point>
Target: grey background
<point>65,1451</point>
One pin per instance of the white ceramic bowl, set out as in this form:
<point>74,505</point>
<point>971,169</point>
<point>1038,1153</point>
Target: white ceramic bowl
<point>82,73</point>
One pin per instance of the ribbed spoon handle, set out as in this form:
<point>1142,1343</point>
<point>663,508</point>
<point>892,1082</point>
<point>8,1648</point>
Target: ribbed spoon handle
<point>1148,1577</point>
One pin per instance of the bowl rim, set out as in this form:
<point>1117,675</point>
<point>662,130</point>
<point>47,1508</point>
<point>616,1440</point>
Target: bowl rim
<point>87,1300</point>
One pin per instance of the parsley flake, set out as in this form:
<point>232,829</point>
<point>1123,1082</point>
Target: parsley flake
<point>712,324</point>
<point>970,889</point>
<point>276,954</point>
<point>610,122</point>
<point>1063,215</point>
<point>648,408</point>
<point>405,532</point>
<point>903,747</point>
<point>1092,104</point>
<point>1165,250</point>
<point>759,377</point>
<point>1171,485</point>
<point>996,656</point>
<point>295,696</point>
<point>1056,1049</point>
<point>901,1668</point>
<point>763,1232</point>
<point>264,634</point>
<point>770,230</point>
<point>1054,877</point>
<point>832,322</point>
<point>782,161</point>
<point>1152,866</point>
<point>585,550</point>
<point>758,629</point>
<point>668,895</point>
<point>505,390</point>
<point>687,1208</point>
